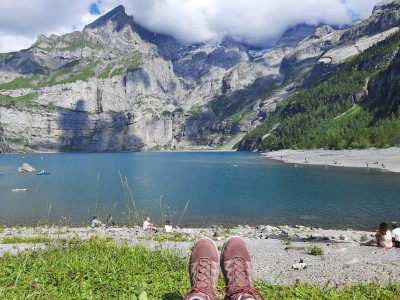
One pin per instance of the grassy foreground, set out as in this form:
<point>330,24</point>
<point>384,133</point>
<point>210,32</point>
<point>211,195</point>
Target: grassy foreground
<point>101,269</point>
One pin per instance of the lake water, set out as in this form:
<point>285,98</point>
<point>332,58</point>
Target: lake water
<point>193,189</point>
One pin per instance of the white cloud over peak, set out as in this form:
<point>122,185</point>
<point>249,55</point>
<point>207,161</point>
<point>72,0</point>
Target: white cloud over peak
<point>22,21</point>
<point>258,22</point>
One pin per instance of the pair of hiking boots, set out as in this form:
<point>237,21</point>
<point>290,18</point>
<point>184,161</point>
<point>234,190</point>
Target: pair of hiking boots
<point>235,266</point>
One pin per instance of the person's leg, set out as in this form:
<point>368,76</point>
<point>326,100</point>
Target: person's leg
<point>203,271</point>
<point>236,268</point>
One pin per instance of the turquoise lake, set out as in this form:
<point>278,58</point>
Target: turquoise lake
<point>227,188</point>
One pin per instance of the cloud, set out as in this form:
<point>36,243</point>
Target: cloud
<point>361,9</point>
<point>257,22</point>
<point>22,21</point>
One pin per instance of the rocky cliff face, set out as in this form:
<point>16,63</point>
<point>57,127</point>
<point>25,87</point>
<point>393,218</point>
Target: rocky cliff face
<point>385,16</point>
<point>384,21</point>
<point>385,89</point>
<point>117,86</point>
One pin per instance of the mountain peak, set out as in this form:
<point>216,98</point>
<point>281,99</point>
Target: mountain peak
<point>118,16</point>
<point>383,4</point>
<point>384,17</point>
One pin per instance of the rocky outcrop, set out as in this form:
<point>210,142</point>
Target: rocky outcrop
<point>308,50</point>
<point>334,57</point>
<point>385,16</point>
<point>385,88</point>
<point>26,168</point>
<point>4,147</point>
<point>384,21</point>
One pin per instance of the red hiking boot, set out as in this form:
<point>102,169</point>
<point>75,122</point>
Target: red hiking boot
<point>236,268</point>
<point>203,271</point>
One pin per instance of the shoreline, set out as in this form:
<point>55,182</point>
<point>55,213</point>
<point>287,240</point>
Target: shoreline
<point>385,160</point>
<point>280,255</point>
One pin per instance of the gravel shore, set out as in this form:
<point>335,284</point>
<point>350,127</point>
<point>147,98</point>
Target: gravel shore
<point>372,158</point>
<point>280,254</point>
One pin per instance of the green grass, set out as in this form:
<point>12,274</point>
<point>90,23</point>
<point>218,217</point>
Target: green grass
<point>364,238</point>
<point>52,79</point>
<point>106,72</point>
<point>76,43</point>
<point>82,74</point>
<point>95,269</point>
<point>288,241</point>
<point>235,118</point>
<point>315,250</point>
<point>82,43</point>
<point>23,101</point>
<point>16,139</point>
<point>131,64</point>
<point>27,240</point>
<point>101,269</point>
<point>171,237</point>
<point>68,76</point>
<point>19,83</point>
<point>312,292</point>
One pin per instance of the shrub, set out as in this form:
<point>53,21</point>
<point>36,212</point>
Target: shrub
<point>364,238</point>
<point>288,242</point>
<point>315,250</point>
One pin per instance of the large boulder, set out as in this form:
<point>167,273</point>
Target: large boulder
<point>26,168</point>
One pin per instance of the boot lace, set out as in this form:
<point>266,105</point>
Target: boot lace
<point>203,280</point>
<point>241,282</point>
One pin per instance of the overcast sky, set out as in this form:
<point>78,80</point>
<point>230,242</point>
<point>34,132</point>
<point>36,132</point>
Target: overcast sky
<point>257,22</point>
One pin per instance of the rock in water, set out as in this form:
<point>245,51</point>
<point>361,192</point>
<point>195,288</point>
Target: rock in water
<point>26,168</point>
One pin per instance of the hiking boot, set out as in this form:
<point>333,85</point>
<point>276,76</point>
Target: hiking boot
<point>203,271</point>
<point>236,268</point>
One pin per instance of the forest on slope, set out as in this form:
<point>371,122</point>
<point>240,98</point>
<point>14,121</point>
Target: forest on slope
<point>356,106</point>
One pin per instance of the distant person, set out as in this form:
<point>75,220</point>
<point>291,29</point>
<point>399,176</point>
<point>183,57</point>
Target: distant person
<point>384,236</point>
<point>95,222</point>
<point>235,262</point>
<point>168,226</point>
<point>110,221</point>
<point>147,225</point>
<point>395,234</point>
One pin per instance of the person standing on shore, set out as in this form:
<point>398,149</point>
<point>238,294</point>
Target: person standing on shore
<point>395,234</point>
<point>384,236</point>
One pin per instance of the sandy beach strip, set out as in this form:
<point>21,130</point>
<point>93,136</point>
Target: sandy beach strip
<point>382,159</point>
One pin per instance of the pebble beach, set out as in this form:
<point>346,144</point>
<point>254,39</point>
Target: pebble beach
<point>385,160</point>
<point>280,255</point>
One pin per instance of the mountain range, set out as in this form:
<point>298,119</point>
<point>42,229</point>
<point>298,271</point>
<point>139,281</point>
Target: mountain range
<point>116,86</point>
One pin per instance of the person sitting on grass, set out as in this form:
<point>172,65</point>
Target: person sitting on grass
<point>384,236</point>
<point>148,226</point>
<point>395,234</point>
<point>95,222</point>
<point>168,226</point>
<point>235,262</point>
<point>110,221</point>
